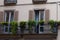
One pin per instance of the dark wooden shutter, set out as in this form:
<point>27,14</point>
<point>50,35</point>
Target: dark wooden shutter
<point>16,16</point>
<point>1,20</point>
<point>31,15</point>
<point>1,16</point>
<point>46,16</point>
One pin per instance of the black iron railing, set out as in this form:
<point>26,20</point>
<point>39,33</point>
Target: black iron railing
<point>10,1</point>
<point>34,30</point>
<point>39,1</point>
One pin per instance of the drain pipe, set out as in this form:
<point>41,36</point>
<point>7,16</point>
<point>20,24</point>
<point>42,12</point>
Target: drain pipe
<point>57,12</point>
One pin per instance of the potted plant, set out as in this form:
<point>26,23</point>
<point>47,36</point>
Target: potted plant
<point>5,23</point>
<point>31,24</point>
<point>51,23</point>
<point>41,22</point>
<point>22,26</point>
<point>14,26</point>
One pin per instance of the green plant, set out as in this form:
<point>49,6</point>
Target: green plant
<point>4,23</point>
<point>31,24</point>
<point>14,26</point>
<point>41,22</point>
<point>22,26</point>
<point>51,22</point>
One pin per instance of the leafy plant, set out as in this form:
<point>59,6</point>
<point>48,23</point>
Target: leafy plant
<point>51,22</point>
<point>4,23</point>
<point>14,26</point>
<point>41,22</point>
<point>31,24</point>
<point>22,26</point>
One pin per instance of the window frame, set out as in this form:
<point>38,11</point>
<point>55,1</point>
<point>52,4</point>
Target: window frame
<point>9,20</point>
<point>43,11</point>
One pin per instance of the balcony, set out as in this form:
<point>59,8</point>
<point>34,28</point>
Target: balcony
<point>24,31</point>
<point>10,2</point>
<point>48,34</point>
<point>39,1</point>
<point>34,30</point>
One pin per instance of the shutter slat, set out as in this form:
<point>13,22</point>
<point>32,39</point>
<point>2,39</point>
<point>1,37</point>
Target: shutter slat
<point>16,16</point>
<point>31,15</point>
<point>46,16</point>
<point>1,16</point>
<point>1,20</point>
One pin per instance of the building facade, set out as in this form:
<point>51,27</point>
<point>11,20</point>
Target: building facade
<point>25,10</point>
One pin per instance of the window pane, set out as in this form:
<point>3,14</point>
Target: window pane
<point>6,29</point>
<point>9,29</point>
<point>37,15</point>
<point>42,15</point>
<point>7,16</point>
<point>41,29</point>
<point>12,16</point>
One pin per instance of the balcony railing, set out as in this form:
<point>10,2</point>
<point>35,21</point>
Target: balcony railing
<point>8,2</point>
<point>39,1</point>
<point>34,30</point>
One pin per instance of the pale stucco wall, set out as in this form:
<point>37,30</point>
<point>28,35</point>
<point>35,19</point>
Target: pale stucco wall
<point>58,37</point>
<point>24,10</point>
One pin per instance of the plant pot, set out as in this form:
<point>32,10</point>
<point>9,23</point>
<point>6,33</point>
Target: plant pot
<point>6,24</point>
<point>42,24</point>
<point>22,29</point>
<point>30,29</point>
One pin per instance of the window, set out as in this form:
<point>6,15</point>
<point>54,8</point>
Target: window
<point>39,15</point>
<point>9,16</point>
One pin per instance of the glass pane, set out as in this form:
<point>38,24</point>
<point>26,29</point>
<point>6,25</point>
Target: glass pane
<point>6,29</point>
<point>41,15</point>
<point>12,16</point>
<point>41,29</point>
<point>7,17</point>
<point>36,15</point>
<point>9,29</point>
